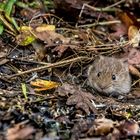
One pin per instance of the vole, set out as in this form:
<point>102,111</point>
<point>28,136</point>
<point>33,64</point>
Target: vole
<point>109,75</point>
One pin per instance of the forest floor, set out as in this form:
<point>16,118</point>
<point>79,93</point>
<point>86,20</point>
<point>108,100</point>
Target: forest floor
<point>46,48</point>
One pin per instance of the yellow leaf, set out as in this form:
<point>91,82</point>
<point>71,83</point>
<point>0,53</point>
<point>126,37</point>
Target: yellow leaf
<point>45,27</point>
<point>25,28</point>
<point>44,84</point>
<point>25,37</point>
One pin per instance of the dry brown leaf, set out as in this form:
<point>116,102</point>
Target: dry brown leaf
<point>101,127</point>
<point>82,100</point>
<point>129,127</point>
<point>132,26</point>
<point>79,98</point>
<point>127,18</point>
<point>134,70</point>
<point>134,57</point>
<point>50,37</point>
<point>19,132</point>
<point>65,89</point>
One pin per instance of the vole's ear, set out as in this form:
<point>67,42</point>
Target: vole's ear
<point>101,57</point>
<point>98,59</point>
<point>124,61</point>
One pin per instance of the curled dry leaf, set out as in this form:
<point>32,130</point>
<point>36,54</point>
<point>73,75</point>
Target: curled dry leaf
<point>44,84</point>
<point>134,70</point>
<point>127,18</point>
<point>79,98</point>
<point>134,36</point>
<point>45,27</point>
<point>132,26</point>
<point>101,127</point>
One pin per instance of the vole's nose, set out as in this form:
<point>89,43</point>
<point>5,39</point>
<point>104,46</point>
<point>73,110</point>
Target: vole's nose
<point>102,86</point>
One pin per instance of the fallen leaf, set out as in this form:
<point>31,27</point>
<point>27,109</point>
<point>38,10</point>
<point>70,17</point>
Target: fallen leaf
<point>19,132</point>
<point>25,37</point>
<point>134,70</point>
<point>129,127</point>
<point>51,37</point>
<point>45,27</point>
<point>101,127</point>
<point>44,84</point>
<point>127,18</point>
<point>81,99</point>
<point>134,36</point>
<point>28,34</point>
<point>134,57</point>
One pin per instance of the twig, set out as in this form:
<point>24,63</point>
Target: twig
<point>106,9</point>
<point>100,23</point>
<point>103,23</point>
<point>53,65</point>
<point>117,3</point>
<point>137,81</point>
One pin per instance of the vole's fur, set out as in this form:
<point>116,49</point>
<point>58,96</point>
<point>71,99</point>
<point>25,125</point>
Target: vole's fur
<point>109,75</point>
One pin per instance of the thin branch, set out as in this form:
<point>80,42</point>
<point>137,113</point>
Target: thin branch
<point>51,65</point>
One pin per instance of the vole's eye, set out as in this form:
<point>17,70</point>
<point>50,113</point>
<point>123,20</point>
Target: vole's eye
<point>98,74</point>
<point>113,77</point>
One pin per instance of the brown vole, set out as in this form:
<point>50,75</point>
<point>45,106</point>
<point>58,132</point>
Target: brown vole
<point>110,76</point>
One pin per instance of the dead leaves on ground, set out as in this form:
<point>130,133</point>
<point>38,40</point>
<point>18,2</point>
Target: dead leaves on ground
<point>106,128</point>
<point>132,26</point>
<point>48,35</point>
<point>81,99</point>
